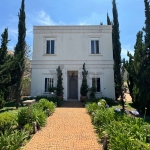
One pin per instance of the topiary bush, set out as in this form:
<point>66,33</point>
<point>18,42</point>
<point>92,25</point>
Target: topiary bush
<point>7,119</point>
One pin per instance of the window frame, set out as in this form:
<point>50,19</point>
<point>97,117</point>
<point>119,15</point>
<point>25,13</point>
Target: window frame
<point>50,39</point>
<point>43,82</point>
<point>100,45</point>
<point>95,78</point>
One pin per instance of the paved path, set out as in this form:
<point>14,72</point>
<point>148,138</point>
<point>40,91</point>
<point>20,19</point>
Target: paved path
<point>66,129</point>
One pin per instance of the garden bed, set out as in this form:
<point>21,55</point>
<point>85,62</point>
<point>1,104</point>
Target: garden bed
<point>117,129</point>
<point>18,126</point>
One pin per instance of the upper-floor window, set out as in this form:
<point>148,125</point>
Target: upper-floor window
<point>95,47</point>
<point>50,46</point>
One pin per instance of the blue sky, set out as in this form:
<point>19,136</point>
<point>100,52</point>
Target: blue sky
<point>77,12</point>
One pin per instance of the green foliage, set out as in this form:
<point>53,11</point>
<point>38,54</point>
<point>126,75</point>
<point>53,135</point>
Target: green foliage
<point>12,139</point>
<point>28,127</point>
<point>124,132</point>
<point>52,89</point>
<point>92,91</point>
<point>19,54</point>
<point>5,68</point>
<point>91,107</point>
<point>138,67</point>
<point>116,51</point>
<point>108,20</point>
<point>59,88</point>
<point>108,100</point>
<point>2,102</point>
<point>45,105</point>
<point>55,100</point>
<point>37,115</point>
<point>84,87</point>
<point>7,119</point>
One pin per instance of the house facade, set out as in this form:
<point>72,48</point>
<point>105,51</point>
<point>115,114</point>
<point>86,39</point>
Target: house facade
<point>70,47</point>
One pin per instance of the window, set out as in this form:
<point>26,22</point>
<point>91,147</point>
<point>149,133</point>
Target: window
<point>96,82</point>
<point>95,46</point>
<point>49,82</point>
<point>50,46</point>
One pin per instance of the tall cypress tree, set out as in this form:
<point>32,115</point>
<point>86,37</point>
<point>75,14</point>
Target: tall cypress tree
<point>147,24</point>
<point>108,20</point>
<point>117,53</point>
<point>4,76</point>
<point>20,52</point>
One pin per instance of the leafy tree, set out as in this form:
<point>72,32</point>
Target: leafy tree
<point>20,53</point>
<point>59,88</point>
<point>84,86</point>
<point>138,66</point>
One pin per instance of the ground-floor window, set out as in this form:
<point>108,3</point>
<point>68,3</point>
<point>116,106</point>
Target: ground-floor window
<point>96,83</point>
<point>49,82</point>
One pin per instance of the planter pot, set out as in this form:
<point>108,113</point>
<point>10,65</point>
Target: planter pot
<point>83,98</point>
<point>60,97</point>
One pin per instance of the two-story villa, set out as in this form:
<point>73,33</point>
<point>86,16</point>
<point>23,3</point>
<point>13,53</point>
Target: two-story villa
<point>71,47</point>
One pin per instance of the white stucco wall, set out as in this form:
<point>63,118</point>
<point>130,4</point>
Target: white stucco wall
<point>72,47</point>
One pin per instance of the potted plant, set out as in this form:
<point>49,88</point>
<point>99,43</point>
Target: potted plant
<point>59,88</point>
<point>52,90</point>
<point>84,86</point>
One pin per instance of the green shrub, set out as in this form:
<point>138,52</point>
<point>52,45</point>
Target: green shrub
<point>124,132</point>
<point>28,127</point>
<point>22,116</point>
<point>45,105</point>
<point>55,100</point>
<point>39,116</point>
<point>7,119</point>
<point>12,139</point>
<point>91,107</point>
<point>2,102</point>
<point>35,115</point>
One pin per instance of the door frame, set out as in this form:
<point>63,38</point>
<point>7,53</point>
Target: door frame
<point>69,72</point>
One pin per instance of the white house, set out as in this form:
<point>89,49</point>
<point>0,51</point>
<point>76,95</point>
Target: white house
<point>71,47</point>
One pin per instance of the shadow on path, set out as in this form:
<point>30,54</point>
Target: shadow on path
<point>72,104</point>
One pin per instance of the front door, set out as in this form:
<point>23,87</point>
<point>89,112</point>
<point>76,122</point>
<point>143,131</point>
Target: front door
<point>73,86</point>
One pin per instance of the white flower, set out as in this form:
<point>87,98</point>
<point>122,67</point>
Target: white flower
<point>117,109</point>
<point>99,103</point>
<point>135,112</point>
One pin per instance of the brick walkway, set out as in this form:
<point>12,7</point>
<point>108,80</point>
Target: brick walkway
<point>66,129</point>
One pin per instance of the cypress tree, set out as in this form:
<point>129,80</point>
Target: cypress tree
<point>4,78</point>
<point>6,65</point>
<point>147,24</point>
<point>20,53</point>
<point>84,86</point>
<point>59,88</point>
<point>117,54</point>
<point>108,20</point>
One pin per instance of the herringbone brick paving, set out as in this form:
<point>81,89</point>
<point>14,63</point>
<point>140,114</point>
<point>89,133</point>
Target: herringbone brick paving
<point>66,129</point>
